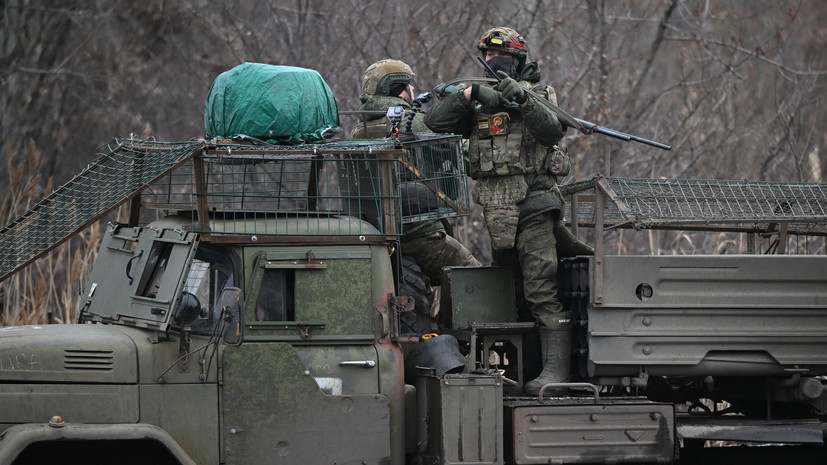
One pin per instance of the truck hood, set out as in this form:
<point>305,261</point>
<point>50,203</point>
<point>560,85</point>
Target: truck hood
<point>88,354</point>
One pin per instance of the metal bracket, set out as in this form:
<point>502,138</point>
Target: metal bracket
<point>401,303</point>
<point>396,305</point>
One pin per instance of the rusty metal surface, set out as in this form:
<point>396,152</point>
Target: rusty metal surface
<point>736,428</point>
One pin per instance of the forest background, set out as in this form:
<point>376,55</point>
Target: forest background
<point>736,87</point>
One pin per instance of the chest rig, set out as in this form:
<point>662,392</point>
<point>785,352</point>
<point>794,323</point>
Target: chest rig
<point>500,145</point>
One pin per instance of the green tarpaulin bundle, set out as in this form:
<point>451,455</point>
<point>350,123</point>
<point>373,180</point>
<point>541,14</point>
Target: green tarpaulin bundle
<point>277,104</point>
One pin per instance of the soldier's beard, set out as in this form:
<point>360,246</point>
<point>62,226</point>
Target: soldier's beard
<point>500,63</point>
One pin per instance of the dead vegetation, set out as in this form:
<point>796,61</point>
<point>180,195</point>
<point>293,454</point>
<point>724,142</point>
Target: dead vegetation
<point>47,290</point>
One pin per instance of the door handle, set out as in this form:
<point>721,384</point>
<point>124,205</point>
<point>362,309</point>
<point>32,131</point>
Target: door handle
<point>358,363</point>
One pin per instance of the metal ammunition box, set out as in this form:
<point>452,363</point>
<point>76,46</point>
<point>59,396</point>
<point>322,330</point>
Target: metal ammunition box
<point>465,419</point>
<point>583,431</point>
<point>476,295</point>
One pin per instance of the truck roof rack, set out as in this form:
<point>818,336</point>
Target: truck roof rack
<point>252,186</point>
<point>698,204</point>
<point>123,168</point>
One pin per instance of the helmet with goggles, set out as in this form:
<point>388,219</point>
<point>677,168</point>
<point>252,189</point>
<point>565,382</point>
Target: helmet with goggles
<point>384,75</point>
<point>503,39</point>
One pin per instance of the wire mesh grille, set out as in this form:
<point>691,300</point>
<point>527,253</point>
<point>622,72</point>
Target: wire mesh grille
<point>433,183</point>
<point>676,203</point>
<point>256,189</point>
<point>354,188</point>
<point>121,169</point>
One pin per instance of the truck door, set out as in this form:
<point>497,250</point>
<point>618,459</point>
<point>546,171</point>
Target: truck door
<point>303,387</point>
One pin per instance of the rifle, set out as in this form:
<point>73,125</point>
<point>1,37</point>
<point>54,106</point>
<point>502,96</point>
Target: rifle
<point>589,128</point>
<point>586,127</point>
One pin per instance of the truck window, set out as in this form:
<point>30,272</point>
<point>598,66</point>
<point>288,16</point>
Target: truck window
<point>275,296</point>
<point>296,290</point>
<point>211,271</point>
<point>156,266</point>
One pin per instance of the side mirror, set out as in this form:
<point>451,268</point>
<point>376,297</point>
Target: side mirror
<point>232,316</point>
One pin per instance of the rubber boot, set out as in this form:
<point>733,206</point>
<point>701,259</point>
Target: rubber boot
<point>568,245</point>
<point>555,348</point>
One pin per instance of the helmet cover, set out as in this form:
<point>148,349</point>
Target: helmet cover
<point>504,39</point>
<point>381,76</point>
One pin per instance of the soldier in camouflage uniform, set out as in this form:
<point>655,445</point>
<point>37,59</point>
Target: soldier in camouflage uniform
<point>387,83</point>
<point>513,155</point>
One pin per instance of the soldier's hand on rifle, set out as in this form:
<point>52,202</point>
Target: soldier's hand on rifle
<point>490,99</point>
<point>510,89</point>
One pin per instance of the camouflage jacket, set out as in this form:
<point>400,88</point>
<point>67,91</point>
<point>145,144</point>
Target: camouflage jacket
<point>511,166</point>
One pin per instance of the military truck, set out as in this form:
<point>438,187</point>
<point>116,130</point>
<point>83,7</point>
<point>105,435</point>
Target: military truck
<point>249,312</point>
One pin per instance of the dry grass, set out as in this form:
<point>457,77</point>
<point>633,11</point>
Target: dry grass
<point>47,290</point>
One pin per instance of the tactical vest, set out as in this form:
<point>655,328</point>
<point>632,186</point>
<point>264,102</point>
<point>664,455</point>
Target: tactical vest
<point>500,145</point>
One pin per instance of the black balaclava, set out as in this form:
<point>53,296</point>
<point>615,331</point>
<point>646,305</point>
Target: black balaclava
<point>501,63</point>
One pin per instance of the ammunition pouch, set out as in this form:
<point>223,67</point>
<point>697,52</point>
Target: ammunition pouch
<point>500,147</point>
<point>374,129</point>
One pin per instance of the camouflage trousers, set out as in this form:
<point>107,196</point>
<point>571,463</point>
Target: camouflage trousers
<point>536,248</point>
<point>435,251</point>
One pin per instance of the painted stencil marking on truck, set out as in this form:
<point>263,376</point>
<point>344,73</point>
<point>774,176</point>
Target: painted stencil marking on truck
<point>20,362</point>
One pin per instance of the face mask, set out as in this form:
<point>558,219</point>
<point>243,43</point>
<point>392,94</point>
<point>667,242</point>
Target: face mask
<point>501,64</point>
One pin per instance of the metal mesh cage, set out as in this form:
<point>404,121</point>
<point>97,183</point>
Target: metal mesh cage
<point>700,204</point>
<point>383,183</point>
<point>433,183</point>
<point>355,188</point>
<point>122,168</point>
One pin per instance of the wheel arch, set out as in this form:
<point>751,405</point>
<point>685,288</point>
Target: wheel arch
<point>57,438</point>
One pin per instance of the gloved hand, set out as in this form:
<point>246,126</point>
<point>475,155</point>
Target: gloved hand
<point>489,98</point>
<point>510,89</point>
<point>559,162</point>
<point>445,89</point>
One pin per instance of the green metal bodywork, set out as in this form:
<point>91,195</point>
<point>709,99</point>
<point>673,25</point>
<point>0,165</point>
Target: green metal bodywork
<point>324,382</point>
<point>709,315</point>
<point>275,411</point>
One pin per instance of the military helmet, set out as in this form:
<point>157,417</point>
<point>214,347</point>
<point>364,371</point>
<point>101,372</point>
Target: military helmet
<point>381,76</point>
<point>504,39</point>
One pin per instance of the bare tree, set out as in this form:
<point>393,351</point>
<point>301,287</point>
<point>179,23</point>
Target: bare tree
<point>737,88</point>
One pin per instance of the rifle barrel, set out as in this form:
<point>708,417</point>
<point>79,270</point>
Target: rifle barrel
<point>586,127</point>
<point>591,127</point>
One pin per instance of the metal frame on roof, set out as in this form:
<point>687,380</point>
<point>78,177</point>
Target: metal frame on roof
<point>700,204</point>
<point>251,185</point>
<point>776,208</point>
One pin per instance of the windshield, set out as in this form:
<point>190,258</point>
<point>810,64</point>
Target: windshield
<point>211,271</point>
